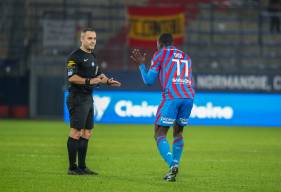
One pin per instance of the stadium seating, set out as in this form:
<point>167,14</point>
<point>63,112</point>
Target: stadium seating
<point>222,36</point>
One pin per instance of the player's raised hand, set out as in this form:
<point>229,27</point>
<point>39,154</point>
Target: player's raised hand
<point>138,57</point>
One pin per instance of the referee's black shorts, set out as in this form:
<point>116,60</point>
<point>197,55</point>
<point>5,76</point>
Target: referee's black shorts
<point>80,107</point>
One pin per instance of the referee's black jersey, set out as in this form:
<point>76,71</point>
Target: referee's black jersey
<point>83,64</point>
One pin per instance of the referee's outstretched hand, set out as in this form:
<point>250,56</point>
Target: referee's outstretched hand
<point>113,82</point>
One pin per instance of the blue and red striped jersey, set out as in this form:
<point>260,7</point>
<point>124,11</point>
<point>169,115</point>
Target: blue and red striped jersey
<point>174,69</point>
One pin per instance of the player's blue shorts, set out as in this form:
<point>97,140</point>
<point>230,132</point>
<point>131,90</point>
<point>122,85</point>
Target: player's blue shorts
<point>171,111</point>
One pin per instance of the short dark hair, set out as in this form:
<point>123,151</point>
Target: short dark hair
<point>166,39</point>
<point>88,29</point>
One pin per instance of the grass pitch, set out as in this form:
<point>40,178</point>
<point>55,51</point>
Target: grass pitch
<point>33,158</point>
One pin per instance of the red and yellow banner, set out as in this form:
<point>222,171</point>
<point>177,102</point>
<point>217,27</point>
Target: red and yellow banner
<point>147,23</point>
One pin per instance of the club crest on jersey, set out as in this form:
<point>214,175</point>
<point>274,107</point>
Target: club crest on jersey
<point>93,64</point>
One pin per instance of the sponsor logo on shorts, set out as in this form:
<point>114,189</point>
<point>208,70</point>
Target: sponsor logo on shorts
<point>167,120</point>
<point>183,121</point>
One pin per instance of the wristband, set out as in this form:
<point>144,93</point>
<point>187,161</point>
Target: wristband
<point>107,82</point>
<point>87,81</point>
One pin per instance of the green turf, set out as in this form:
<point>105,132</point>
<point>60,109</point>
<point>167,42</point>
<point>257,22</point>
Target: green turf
<point>33,158</point>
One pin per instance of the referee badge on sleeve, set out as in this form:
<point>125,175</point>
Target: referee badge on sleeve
<point>70,72</point>
<point>70,63</point>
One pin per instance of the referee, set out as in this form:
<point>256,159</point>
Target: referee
<point>83,74</point>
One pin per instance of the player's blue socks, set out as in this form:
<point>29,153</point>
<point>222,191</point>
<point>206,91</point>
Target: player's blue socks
<point>177,149</point>
<point>164,150</point>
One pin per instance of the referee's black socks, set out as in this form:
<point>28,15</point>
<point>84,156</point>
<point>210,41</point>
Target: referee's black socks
<point>82,152</point>
<point>72,146</point>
